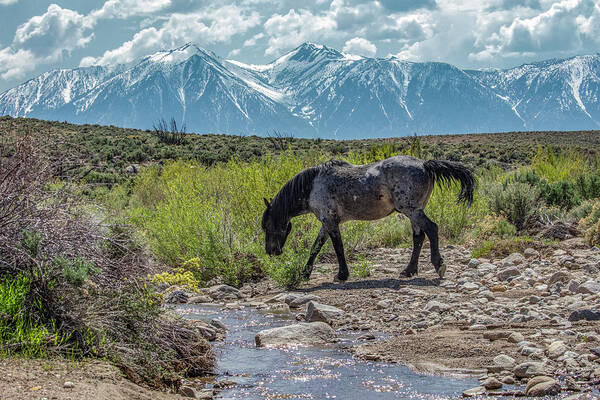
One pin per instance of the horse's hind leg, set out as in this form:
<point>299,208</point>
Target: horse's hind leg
<point>418,238</point>
<point>336,240</point>
<point>431,229</point>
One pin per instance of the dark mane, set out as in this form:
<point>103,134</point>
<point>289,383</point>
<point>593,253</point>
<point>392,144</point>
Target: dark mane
<point>293,196</point>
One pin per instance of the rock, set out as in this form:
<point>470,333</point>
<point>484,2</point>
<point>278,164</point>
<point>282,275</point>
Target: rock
<point>498,288</point>
<point>470,286</point>
<point>508,273</point>
<point>199,299</point>
<point>572,385</point>
<point>586,315</point>
<point>476,391</point>
<point>176,297</point>
<point>223,384</point>
<point>504,361</point>
<point>513,259</point>
<point>473,263</point>
<point>68,385</point>
<point>529,350</point>
<point>282,298</point>
<point>301,300</point>
<point>496,335</point>
<point>531,253</point>
<point>477,327</point>
<point>224,292</point>
<point>556,349</point>
<point>366,336</point>
<point>559,276</point>
<point>205,394</point>
<point>508,380</point>
<point>209,333</point>
<point>321,312</point>
<point>218,325</point>
<point>516,337</point>
<point>435,306</point>
<point>572,286</point>
<point>529,369</point>
<point>589,287</point>
<point>542,386</point>
<point>311,333</point>
<point>383,304</point>
<point>187,391</point>
<point>485,267</point>
<point>491,383</point>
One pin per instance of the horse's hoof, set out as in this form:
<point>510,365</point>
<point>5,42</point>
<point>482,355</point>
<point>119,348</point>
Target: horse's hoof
<point>407,274</point>
<point>339,279</point>
<point>442,270</point>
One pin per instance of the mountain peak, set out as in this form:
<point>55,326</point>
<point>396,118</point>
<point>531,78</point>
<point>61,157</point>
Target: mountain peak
<point>180,54</point>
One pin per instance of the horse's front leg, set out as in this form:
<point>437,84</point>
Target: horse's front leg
<point>314,251</point>
<point>336,240</point>
<point>413,265</point>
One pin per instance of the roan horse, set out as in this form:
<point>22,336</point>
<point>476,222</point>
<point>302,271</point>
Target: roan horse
<point>337,191</point>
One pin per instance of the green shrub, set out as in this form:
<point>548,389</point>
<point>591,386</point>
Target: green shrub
<point>590,224</point>
<point>75,271</point>
<point>362,267</point>
<point>20,331</point>
<point>514,200</point>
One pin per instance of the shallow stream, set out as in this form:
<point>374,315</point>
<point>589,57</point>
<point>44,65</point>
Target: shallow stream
<point>326,372</point>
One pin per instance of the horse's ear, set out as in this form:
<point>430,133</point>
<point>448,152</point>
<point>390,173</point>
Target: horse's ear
<point>267,203</point>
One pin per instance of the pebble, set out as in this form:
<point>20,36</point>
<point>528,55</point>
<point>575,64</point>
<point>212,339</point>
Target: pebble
<point>68,385</point>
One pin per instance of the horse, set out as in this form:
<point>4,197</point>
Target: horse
<point>337,191</point>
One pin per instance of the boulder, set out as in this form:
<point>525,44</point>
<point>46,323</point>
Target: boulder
<point>435,306</point>
<point>513,259</point>
<point>311,333</point>
<point>504,361</point>
<point>322,312</point>
<point>508,273</point>
<point>224,292</point>
<point>556,349</point>
<point>529,369</point>
<point>589,287</point>
<point>302,299</point>
<point>542,386</point>
<point>491,383</point>
<point>531,253</point>
<point>559,276</point>
<point>176,297</point>
<point>199,299</point>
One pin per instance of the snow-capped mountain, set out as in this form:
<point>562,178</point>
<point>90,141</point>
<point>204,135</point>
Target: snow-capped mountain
<point>316,91</point>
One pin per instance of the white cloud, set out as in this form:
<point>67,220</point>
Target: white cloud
<point>360,46</point>
<point>290,30</point>
<point>252,41</point>
<point>44,39</point>
<point>204,28</point>
<point>7,2</point>
<point>57,30</point>
<point>127,8</point>
<point>566,27</point>
<point>15,64</point>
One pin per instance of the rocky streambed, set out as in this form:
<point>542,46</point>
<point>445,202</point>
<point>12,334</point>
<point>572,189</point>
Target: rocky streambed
<point>523,324</point>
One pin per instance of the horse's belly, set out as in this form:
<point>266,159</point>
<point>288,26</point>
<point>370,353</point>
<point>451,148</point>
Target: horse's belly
<point>368,209</point>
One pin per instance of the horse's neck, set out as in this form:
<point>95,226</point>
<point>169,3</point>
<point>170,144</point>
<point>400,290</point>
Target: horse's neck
<point>295,206</point>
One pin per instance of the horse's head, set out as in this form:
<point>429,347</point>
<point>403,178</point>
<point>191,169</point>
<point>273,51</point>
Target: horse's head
<point>276,231</point>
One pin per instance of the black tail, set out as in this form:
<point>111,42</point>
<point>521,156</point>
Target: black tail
<point>445,171</point>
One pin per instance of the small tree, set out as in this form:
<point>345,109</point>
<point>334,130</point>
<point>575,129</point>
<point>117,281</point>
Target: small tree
<point>169,133</point>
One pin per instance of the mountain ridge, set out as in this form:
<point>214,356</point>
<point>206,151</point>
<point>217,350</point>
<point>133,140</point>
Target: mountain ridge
<point>316,91</point>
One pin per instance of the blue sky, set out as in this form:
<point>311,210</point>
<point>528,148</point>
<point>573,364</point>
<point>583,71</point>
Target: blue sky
<point>38,35</point>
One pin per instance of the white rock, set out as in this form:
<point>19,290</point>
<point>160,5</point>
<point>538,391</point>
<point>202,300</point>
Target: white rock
<point>312,333</point>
